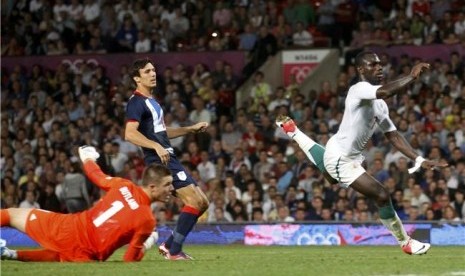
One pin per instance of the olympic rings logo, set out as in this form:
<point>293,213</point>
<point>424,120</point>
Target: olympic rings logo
<point>75,65</point>
<point>300,72</point>
<point>318,239</point>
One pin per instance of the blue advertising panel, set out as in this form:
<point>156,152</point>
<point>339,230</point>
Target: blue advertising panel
<point>293,234</point>
<point>448,234</point>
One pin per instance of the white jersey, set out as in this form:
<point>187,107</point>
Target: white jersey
<point>363,112</point>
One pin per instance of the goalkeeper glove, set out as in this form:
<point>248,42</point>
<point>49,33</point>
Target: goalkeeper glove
<point>151,240</point>
<point>88,152</point>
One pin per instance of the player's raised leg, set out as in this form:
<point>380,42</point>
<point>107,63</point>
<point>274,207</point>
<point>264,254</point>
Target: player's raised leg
<point>370,187</point>
<point>312,149</point>
<point>195,204</point>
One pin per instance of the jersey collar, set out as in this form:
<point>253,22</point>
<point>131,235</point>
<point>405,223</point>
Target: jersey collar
<point>140,94</point>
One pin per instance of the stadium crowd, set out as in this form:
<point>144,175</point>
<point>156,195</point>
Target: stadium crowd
<point>248,168</point>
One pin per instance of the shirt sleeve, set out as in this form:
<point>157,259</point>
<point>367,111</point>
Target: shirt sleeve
<point>382,117</point>
<point>135,251</point>
<point>134,109</point>
<point>96,176</point>
<point>364,91</point>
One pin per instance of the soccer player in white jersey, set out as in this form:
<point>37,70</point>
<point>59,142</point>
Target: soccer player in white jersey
<point>341,161</point>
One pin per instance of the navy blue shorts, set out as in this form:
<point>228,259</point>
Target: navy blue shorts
<point>181,178</point>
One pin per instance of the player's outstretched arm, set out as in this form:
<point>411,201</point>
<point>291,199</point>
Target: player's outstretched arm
<point>135,251</point>
<point>174,132</point>
<point>88,156</point>
<point>393,87</point>
<point>398,141</point>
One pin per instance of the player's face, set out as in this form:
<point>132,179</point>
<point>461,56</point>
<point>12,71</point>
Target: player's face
<point>162,191</point>
<point>372,70</point>
<point>148,76</point>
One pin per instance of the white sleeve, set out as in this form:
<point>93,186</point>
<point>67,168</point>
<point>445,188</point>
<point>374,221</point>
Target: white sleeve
<point>382,117</point>
<point>363,91</point>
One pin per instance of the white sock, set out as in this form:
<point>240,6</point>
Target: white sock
<point>14,254</point>
<point>394,225</point>
<point>305,143</point>
<point>9,254</point>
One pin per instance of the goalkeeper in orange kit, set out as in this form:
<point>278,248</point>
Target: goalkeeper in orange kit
<point>123,216</point>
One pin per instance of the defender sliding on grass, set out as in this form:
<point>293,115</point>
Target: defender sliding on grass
<point>123,216</point>
<point>341,161</point>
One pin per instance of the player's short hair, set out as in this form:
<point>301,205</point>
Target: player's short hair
<point>137,65</point>
<point>153,173</point>
<point>360,58</point>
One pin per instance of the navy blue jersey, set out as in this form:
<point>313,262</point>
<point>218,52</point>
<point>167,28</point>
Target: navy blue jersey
<point>149,114</point>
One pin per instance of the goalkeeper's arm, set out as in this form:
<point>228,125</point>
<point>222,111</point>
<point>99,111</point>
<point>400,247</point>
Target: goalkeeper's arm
<point>140,243</point>
<point>88,156</point>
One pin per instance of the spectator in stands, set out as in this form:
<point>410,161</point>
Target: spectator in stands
<point>221,216</point>
<point>265,46</point>
<point>199,113</point>
<point>257,215</point>
<point>284,215</point>
<point>143,43</point>
<point>325,23</point>
<point>127,35</point>
<point>29,200</point>
<point>418,196</point>
<point>91,11</point>
<point>179,24</point>
<point>430,31</point>
<point>75,191</point>
<point>13,48</point>
<point>260,92</point>
<point>247,39</point>
<point>439,7</point>
<point>449,215</point>
<point>206,168</point>
<point>301,37</point>
<point>421,7</point>
<point>222,15</point>
<point>48,199</point>
<point>459,26</point>
<point>118,158</point>
<point>345,20</point>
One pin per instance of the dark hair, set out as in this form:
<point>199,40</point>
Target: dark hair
<point>360,58</point>
<point>153,173</point>
<point>137,65</point>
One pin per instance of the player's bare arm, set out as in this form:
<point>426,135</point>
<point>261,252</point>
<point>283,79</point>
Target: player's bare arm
<point>392,88</point>
<point>398,141</point>
<point>132,135</point>
<point>181,131</point>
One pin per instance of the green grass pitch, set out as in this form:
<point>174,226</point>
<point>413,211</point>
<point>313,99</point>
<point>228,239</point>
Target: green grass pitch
<point>261,260</point>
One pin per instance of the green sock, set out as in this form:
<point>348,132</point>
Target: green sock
<point>317,153</point>
<point>387,212</point>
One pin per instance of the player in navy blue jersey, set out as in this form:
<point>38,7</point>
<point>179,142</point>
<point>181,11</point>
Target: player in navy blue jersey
<point>146,128</point>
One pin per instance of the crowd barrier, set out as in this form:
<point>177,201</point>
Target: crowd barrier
<point>425,52</point>
<point>113,62</point>
<point>337,234</point>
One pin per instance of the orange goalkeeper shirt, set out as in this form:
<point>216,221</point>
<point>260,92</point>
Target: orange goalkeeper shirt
<point>122,216</point>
